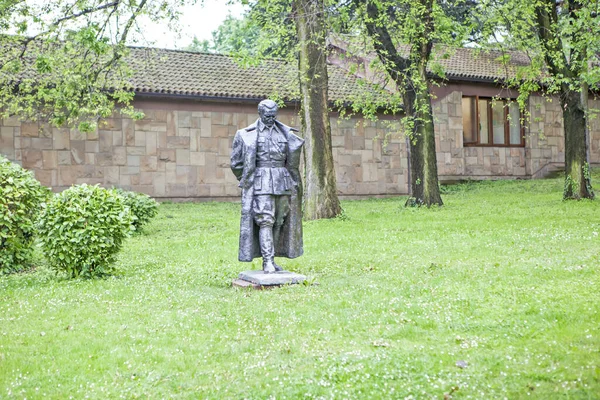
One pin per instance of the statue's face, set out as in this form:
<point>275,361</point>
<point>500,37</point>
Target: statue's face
<point>268,117</point>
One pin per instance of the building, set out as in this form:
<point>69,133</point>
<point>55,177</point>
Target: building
<point>479,134</point>
<point>194,103</point>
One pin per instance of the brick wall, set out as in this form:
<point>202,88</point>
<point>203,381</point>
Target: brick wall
<point>544,135</point>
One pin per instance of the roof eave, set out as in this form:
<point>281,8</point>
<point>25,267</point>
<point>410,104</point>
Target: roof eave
<point>467,79</point>
<point>197,97</point>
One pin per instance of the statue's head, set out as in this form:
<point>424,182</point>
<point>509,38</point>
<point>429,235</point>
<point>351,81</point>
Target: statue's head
<point>267,110</point>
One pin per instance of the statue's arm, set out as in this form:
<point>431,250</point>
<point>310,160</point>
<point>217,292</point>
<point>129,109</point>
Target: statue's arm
<point>293,160</point>
<point>237,156</point>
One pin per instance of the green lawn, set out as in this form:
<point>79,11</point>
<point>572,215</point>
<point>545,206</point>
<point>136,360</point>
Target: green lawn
<point>504,277</point>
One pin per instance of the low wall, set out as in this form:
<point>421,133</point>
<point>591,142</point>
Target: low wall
<point>180,151</point>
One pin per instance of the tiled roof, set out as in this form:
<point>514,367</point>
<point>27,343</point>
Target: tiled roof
<point>175,72</point>
<point>467,63</point>
<point>475,64</point>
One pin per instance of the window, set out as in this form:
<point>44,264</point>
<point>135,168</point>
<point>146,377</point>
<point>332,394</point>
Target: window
<point>488,122</point>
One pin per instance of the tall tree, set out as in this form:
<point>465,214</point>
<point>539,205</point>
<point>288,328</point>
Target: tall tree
<point>64,60</point>
<point>320,196</point>
<point>571,63</point>
<point>403,33</point>
<point>392,25</point>
<point>561,39</point>
<point>296,30</point>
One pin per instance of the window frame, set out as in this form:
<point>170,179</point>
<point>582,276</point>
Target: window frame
<point>490,143</point>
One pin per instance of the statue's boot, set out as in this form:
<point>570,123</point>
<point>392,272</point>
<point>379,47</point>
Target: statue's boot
<point>265,238</point>
<point>276,233</point>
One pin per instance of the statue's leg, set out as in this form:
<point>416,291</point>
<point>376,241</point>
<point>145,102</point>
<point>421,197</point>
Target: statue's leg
<point>264,216</point>
<point>282,209</point>
<point>266,248</point>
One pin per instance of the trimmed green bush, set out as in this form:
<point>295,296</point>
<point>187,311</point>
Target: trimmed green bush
<point>20,198</point>
<point>143,207</point>
<point>82,229</point>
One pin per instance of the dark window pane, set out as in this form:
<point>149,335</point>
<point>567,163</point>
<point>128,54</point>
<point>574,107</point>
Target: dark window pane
<point>515,125</point>
<point>498,122</point>
<point>469,120</point>
<point>484,122</point>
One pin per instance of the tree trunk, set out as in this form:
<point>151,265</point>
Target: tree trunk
<point>424,186</point>
<point>577,169</point>
<point>320,196</point>
<point>410,76</point>
<point>423,160</point>
<point>578,183</point>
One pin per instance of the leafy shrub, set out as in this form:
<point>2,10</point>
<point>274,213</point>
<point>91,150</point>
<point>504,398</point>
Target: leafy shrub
<point>82,229</point>
<point>20,198</point>
<point>143,207</point>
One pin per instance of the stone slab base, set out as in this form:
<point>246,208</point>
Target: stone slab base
<point>245,284</point>
<point>260,279</point>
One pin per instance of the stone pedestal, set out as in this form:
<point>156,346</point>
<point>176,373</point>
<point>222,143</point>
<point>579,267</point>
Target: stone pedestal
<point>260,280</point>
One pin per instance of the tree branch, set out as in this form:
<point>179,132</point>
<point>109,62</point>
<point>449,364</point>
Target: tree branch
<point>86,11</point>
<point>132,20</point>
<point>548,38</point>
<point>393,62</point>
<point>117,54</point>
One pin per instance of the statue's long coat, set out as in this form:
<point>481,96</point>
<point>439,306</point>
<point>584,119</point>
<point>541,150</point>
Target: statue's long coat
<point>243,165</point>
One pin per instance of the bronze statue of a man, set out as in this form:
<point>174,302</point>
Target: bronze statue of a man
<point>265,159</point>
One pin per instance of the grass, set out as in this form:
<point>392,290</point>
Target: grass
<point>504,279</point>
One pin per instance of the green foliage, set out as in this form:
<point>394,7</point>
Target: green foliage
<point>199,46</point>
<point>267,30</point>
<point>399,31</point>
<point>235,35</point>
<point>561,42</point>
<point>67,62</point>
<point>241,37</point>
<point>142,206</point>
<point>20,198</point>
<point>571,187</point>
<point>270,27</point>
<point>82,229</point>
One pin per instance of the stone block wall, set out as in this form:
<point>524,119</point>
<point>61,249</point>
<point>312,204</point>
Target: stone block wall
<point>594,130</point>
<point>544,142</point>
<point>370,157</point>
<point>458,162</point>
<point>180,150</point>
